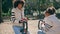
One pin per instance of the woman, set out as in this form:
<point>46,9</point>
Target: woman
<point>52,20</point>
<point>18,14</point>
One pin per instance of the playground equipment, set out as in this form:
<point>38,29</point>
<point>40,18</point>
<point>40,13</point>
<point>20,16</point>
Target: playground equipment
<point>21,29</point>
<point>41,27</point>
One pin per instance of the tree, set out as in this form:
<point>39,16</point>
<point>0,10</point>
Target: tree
<point>56,4</point>
<point>0,11</point>
<point>6,5</point>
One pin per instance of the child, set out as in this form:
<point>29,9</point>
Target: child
<point>18,12</point>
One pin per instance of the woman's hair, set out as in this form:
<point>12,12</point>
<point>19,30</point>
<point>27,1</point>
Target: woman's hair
<point>50,11</point>
<point>53,9</point>
<point>18,2</point>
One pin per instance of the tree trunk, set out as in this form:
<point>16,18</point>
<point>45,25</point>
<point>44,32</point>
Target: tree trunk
<point>0,11</point>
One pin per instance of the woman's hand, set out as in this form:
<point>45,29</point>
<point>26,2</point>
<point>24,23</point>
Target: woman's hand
<point>24,19</point>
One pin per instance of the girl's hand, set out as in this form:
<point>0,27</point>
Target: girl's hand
<point>25,18</point>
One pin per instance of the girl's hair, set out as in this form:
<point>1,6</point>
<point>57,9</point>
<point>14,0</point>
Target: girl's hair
<point>18,2</point>
<point>50,11</point>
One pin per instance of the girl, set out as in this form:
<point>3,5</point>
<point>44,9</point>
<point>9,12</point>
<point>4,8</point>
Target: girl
<point>18,14</point>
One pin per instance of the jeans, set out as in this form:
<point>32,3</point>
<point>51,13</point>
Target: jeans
<point>17,29</point>
<point>41,32</point>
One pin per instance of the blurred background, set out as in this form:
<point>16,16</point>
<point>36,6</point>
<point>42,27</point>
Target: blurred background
<point>33,8</point>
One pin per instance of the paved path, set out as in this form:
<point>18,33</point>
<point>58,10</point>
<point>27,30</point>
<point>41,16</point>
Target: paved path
<point>33,26</point>
<point>6,27</point>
